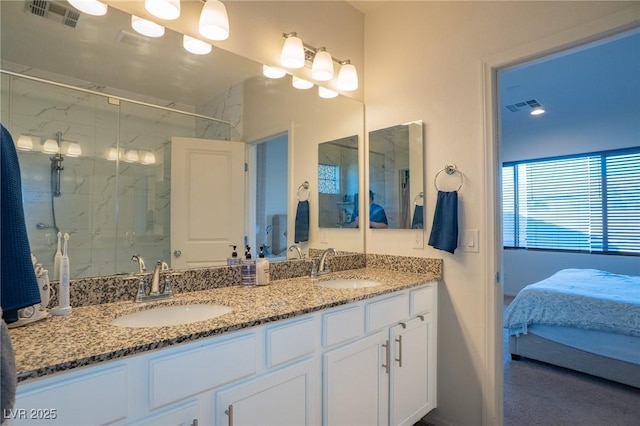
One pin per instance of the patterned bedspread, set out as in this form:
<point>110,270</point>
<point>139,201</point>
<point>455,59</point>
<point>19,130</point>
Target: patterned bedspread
<point>582,298</point>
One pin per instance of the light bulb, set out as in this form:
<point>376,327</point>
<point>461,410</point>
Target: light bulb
<point>347,78</point>
<point>25,143</point>
<point>147,28</point>
<point>537,111</point>
<point>300,83</point>
<point>322,67</point>
<point>273,72</point>
<point>214,22</point>
<point>163,9</point>
<point>292,55</point>
<point>74,150</point>
<point>323,92</point>
<point>91,7</point>
<point>196,46</point>
<point>50,146</point>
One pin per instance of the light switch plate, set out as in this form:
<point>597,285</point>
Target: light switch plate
<point>417,237</point>
<point>469,240</point>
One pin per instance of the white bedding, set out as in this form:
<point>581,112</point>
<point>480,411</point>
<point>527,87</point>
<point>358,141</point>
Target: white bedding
<point>582,298</point>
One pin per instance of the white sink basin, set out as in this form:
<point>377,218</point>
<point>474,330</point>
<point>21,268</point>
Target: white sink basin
<point>171,315</point>
<point>348,283</point>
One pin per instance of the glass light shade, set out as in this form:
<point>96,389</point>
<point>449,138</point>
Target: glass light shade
<point>273,72</point>
<point>91,7</point>
<point>323,92</point>
<point>50,146</point>
<point>132,156</point>
<point>25,143</point>
<point>148,157</point>
<point>300,83</point>
<point>292,54</point>
<point>163,9</point>
<point>147,28</point>
<point>347,78</point>
<point>113,154</point>
<point>214,22</point>
<point>322,67</point>
<point>196,46</point>
<point>537,111</point>
<point>74,150</point>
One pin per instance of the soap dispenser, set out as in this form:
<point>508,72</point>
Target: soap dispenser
<point>234,259</point>
<point>248,270</point>
<point>262,269</point>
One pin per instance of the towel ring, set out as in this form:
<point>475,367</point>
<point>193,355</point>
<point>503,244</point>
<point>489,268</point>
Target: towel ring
<point>449,169</point>
<point>420,196</point>
<point>301,189</point>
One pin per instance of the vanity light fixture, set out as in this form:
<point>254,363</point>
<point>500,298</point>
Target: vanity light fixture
<point>146,28</point>
<point>24,143</point>
<point>325,93</point>
<point>292,54</point>
<point>322,66</point>
<point>347,77</point>
<point>131,156</point>
<point>74,150</point>
<point>214,21</point>
<point>163,9</point>
<point>113,154</point>
<point>196,46</point>
<point>90,7</point>
<point>273,72</point>
<point>50,146</point>
<point>148,157</point>
<point>301,83</point>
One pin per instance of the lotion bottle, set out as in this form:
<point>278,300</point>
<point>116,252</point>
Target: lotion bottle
<point>64,307</point>
<point>262,269</point>
<point>248,270</point>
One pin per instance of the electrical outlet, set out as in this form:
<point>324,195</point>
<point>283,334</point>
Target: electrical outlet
<point>418,239</point>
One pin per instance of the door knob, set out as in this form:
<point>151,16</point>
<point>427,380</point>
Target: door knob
<point>177,253</point>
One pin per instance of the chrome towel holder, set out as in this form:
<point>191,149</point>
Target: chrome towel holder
<point>419,197</point>
<point>449,169</point>
<point>301,190</point>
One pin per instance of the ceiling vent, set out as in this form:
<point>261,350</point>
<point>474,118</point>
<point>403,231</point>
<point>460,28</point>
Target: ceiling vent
<point>54,11</point>
<point>519,106</point>
<point>131,39</point>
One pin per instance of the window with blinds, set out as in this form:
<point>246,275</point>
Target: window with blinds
<point>587,202</point>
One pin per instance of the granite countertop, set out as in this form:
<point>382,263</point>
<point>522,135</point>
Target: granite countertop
<point>85,336</point>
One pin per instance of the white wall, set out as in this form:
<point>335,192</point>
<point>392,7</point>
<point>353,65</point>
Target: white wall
<point>424,61</point>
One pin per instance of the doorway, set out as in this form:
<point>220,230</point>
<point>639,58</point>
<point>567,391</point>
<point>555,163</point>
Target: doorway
<point>494,156</point>
<point>271,183</point>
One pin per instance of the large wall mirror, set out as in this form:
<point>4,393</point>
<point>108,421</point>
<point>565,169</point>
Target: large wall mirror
<point>396,177</point>
<point>115,191</point>
<point>338,182</point>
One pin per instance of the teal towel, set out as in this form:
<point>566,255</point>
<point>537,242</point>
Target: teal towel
<point>19,287</point>
<point>444,233</point>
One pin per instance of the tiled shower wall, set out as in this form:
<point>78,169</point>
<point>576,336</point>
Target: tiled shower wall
<point>111,208</point>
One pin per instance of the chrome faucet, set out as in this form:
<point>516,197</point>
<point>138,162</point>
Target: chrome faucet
<point>155,282</point>
<point>137,259</point>
<point>154,293</point>
<point>322,268</point>
<point>297,248</point>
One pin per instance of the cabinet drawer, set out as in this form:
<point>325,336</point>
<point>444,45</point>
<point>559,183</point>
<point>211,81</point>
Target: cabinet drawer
<point>386,312</point>
<point>187,373</point>
<point>290,341</point>
<point>423,300</point>
<point>340,326</point>
<point>96,397</point>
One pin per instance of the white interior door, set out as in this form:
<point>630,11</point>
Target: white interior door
<point>207,201</point>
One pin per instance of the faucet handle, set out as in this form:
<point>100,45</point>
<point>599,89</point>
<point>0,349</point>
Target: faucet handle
<point>164,266</point>
<point>314,269</point>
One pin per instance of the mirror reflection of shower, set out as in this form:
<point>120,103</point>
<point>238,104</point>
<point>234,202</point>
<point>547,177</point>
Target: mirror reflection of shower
<point>56,176</point>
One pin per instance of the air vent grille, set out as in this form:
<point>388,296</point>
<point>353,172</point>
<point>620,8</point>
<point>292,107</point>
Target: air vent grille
<point>519,106</point>
<point>54,11</point>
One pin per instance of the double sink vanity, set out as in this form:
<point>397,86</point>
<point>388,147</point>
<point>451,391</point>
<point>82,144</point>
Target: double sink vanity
<point>356,346</point>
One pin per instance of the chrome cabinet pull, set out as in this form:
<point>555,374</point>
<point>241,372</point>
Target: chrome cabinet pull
<point>399,359</point>
<point>229,412</point>
<point>387,366</point>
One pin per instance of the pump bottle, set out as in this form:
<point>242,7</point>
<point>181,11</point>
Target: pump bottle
<point>262,269</point>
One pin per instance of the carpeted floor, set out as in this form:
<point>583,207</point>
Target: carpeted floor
<point>540,394</point>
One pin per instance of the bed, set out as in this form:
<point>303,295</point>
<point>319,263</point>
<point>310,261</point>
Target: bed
<point>587,320</point>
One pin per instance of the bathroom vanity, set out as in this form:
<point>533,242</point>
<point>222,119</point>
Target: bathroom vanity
<point>289,353</point>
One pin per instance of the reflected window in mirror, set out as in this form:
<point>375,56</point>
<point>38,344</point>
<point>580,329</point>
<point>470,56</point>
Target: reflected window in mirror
<point>396,177</point>
<point>338,182</point>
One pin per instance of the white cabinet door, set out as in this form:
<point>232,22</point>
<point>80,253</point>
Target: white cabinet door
<point>289,397</point>
<point>412,394</point>
<point>356,388</point>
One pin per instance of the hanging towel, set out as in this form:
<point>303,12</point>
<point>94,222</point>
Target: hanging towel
<point>444,232</point>
<point>7,370</point>
<point>418,218</point>
<point>302,222</point>
<point>17,276</point>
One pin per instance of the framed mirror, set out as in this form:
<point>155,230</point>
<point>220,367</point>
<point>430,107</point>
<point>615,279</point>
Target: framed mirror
<point>396,177</point>
<point>113,204</point>
<point>338,183</point>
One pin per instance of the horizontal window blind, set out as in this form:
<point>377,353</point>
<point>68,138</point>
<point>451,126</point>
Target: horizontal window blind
<point>578,203</point>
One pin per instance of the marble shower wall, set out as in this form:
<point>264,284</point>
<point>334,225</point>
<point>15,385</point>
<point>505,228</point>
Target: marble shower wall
<point>111,208</point>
